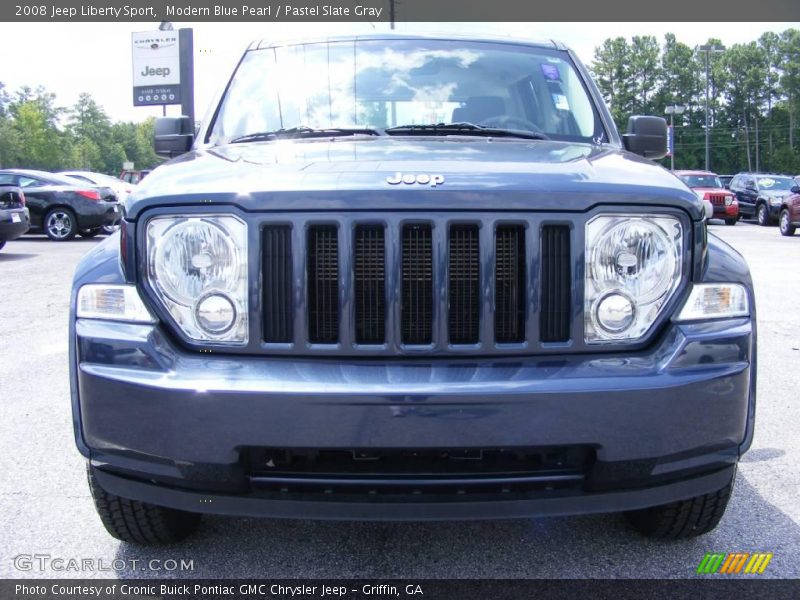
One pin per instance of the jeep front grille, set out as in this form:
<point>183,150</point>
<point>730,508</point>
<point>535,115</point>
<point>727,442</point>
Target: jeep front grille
<point>369,265</point>
<point>277,288</point>
<point>403,286</point>
<point>464,285</point>
<point>323,284</point>
<point>417,284</point>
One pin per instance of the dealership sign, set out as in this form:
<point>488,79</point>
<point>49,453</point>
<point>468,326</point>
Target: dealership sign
<point>156,68</point>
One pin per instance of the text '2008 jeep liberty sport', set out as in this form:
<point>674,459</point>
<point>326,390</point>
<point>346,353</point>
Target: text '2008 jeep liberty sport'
<point>411,278</point>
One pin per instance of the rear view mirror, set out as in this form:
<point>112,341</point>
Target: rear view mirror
<point>173,136</point>
<point>646,136</point>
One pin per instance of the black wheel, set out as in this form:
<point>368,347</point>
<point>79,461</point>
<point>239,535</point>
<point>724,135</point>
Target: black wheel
<point>139,522</point>
<point>2,244</point>
<point>785,223</point>
<point>684,519</point>
<point>762,214</point>
<point>731,221</point>
<point>60,224</point>
<point>90,233</point>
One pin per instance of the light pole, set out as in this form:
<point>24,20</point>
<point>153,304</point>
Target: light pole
<point>674,109</point>
<point>708,49</point>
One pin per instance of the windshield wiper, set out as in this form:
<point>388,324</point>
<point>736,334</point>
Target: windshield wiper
<point>464,129</point>
<point>303,131</point>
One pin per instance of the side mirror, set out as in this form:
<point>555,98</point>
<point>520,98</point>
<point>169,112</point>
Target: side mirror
<point>173,136</point>
<point>795,189</point>
<point>647,136</point>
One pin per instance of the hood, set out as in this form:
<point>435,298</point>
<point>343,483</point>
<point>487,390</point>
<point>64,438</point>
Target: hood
<point>713,190</point>
<point>779,194</point>
<point>354,173</point>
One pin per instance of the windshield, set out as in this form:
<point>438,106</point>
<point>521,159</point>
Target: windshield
<point>702,181</point>
<point>781,184</point>
<point>387,83</point>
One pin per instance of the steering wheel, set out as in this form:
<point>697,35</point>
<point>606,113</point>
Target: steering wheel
<point>509,122</point>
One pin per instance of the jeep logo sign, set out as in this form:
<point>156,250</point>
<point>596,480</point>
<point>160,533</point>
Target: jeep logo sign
<point>156,58</point>
<point>160,72</point>
<point>410,178</point>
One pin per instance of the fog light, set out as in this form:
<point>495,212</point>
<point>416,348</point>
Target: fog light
<point>215,313</point>
<point>614,313</point>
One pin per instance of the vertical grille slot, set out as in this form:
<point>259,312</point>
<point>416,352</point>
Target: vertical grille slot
<point>417,284</point>
<point>556,284</point>
<point>370,284</point>
<point>509,284</point>
<point>464,288</point>
<point>276,247</point>
<point>323,284</point>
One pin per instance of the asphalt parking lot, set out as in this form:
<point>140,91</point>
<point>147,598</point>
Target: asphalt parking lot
<point>45,507</point>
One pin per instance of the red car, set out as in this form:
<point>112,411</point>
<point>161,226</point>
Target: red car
<point>708,186</point>
<point>789,219</point>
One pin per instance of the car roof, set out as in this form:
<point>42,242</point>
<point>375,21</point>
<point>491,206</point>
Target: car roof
<point>272,42</point>
<point>31,172</point>
<point>690,172</point>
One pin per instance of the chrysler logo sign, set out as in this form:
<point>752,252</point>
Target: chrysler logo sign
<point>432,179</point>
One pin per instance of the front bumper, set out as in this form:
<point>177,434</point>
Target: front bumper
<point>726,212</point>
<point>171,427</point>
<point>99,214</point>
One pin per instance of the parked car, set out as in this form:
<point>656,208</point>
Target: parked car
<point>725,180</point>
<point>133,176</point>
<point>789,218</point>
<point>14,217</point>
<point>121,188</point>
<point>62,207</point>
<point>761,195</point>
<point>708,186</point>
<point>477,302</point>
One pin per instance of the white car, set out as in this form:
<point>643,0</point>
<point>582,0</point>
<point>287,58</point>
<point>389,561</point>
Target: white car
<point>121,188</point>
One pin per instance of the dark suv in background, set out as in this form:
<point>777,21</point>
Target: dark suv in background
<point>761,195</point>
<point>14,217</point>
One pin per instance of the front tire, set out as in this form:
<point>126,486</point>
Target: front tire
<point>731,221</point>
<point>60,224</point>
<point>762,215</point>
<point>785,223</point>
<point>139,522</point>
<point>683,519</point>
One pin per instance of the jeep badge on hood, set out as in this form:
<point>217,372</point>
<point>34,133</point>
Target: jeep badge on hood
<point>422,178</point>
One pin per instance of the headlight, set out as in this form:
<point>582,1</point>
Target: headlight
<point>728,200</point>
<point>633,266</point>
<point>198,268</point>
<point>774,200</point>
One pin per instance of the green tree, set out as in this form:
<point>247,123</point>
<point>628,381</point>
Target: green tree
<point>645,71</point>
<point>613,75</point>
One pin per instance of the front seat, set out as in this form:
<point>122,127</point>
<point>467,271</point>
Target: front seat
<point>479,108</point>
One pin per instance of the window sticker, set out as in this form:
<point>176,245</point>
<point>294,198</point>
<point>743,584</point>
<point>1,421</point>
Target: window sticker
<point>550,72</point>
<point>766,182</point>
<point>560,101</point>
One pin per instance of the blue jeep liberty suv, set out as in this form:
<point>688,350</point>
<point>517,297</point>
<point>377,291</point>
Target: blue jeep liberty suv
<point>403,278</point>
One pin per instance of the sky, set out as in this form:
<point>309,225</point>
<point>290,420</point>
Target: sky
<point>72,58</point>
